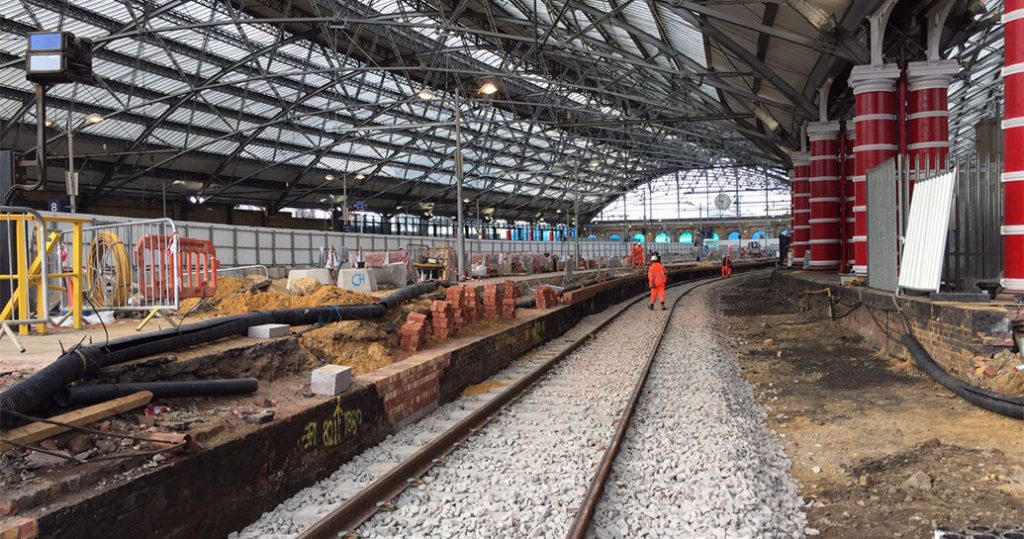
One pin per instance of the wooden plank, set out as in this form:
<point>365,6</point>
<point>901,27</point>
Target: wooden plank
<point>33,432</point>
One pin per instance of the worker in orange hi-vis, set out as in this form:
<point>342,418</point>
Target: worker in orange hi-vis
<point>657,279</point>
<point>725,266</point>
<point>633,255</point>
<point>640,260</point>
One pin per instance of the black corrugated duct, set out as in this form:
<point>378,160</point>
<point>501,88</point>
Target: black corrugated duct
<point>989,400</point>
<point>35,392</point>
<point>93,393</point>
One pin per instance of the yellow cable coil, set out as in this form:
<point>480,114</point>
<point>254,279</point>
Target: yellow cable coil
<point>108,271</point>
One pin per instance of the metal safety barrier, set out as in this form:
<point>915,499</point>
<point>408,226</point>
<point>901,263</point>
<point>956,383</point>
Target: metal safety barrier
<point>34,262</point>
<point>116,276</point>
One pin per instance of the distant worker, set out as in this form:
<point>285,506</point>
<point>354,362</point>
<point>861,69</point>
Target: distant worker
<point>726,266</point>
<point>640,260</point>
<point>657,279</point>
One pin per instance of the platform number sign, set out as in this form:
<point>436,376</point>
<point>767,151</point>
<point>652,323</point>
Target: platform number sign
<point>55,206</point>
<point>360,205</point>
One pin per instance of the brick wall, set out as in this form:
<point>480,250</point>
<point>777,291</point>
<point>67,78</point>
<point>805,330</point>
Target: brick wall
<point>958,336</point>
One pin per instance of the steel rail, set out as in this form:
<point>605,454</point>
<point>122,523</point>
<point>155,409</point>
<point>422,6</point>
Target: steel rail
<point>585,514</point>
<point>361,507</point>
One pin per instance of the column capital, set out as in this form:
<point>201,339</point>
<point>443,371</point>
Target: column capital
<point>801,159</point>
<point>823,131</point>
<point>872,78</point>
<point>931,75</point>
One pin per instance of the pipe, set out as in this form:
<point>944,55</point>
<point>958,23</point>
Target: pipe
<point>91,394</point>
<point>34,392</point>
<point>989,400</point>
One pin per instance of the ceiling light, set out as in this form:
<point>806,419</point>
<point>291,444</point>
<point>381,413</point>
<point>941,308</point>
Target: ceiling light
<point>329,177</point>
<point>48,123</point>
<point>426,94</point>
<point>93,119</point>
<point>465,201</point>
<point>360,176</point>
<point>488,88</point>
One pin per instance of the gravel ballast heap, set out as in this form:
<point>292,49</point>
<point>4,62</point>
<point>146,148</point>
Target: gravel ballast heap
<point>698,460</point>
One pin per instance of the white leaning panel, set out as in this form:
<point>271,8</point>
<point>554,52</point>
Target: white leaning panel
<point>925,248</point>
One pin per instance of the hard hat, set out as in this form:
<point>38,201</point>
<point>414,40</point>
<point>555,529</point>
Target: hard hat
<point>654,258</point>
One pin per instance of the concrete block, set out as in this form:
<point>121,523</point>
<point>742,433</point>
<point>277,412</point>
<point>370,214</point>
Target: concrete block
<point>357,280</point>
<point>331,380</point>
<point>269,331</point>
<point>320,274</point>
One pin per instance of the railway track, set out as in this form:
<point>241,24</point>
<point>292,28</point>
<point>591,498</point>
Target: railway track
<point>518,461</point>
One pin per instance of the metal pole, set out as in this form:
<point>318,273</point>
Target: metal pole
<point>344,195</point>
<point>163,196</point>
<point>460,246</point>
<point>71,167</point>
<point>41,133</point>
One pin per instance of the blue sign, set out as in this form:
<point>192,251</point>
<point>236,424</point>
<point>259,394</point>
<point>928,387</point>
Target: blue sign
<point>358,279</point>
<point>56,206</point>
<point>360,205</point>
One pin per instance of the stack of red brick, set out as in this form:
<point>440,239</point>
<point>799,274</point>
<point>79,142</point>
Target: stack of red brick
<point>443,319</point>
<point>471,304</point>
<point>414,332</point>
<point>492,300</point>
<point>508,302</point>
<point>546,297</point>
<point>454,297</point>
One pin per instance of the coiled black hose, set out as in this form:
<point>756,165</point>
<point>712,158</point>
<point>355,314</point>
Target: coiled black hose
<point>989,400</point>
<point>35,392</point>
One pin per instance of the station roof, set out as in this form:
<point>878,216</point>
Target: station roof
<point>260,103</point>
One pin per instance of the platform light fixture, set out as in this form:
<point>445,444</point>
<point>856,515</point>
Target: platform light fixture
<point>93,119</point>
<point>426,94</point>
<point>360,176</point>
<point>489,88</point>
<point>329,177</point>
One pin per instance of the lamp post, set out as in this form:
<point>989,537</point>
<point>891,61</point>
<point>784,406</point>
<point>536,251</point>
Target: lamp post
<point>426,94</point>
<point>71,176</point>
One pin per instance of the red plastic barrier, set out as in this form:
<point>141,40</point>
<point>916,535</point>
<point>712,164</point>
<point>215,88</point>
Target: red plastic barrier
<point>194,269</point>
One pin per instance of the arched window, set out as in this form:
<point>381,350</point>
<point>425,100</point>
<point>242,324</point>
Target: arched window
<point>759,235</point>
<point>662,238</point>
<point>639,237</point>
<point>734,235</point>
<point>714,237</point>
<point>615,237</point>
<point>686,237</point>
<point>591,238</point>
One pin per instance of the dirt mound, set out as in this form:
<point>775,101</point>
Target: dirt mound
<point>236,296</point>
<point>363,345</point>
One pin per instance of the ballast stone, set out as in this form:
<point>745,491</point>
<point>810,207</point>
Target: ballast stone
<point>269,331</point>
<point>331,380</point>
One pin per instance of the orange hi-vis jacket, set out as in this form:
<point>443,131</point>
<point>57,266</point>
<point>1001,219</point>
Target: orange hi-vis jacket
<point>656,275</point>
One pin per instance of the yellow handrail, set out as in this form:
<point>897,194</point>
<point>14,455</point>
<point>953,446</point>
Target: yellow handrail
<point>27,275</point>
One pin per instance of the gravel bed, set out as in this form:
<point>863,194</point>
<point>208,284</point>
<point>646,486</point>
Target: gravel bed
<point>525,474</point>
<point>537,443</point>
<point>698,460</point>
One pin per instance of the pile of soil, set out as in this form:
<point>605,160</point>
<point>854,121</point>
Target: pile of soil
<point>364,345</point>
<point>237,296</point>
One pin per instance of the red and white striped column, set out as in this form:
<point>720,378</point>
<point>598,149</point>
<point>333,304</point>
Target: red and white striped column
<point>1013,147</point>
<point>850,197</point>
<point>874,87</point>
<point>825,242</point>
<point>928,113</point>
<point>801,207</point>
